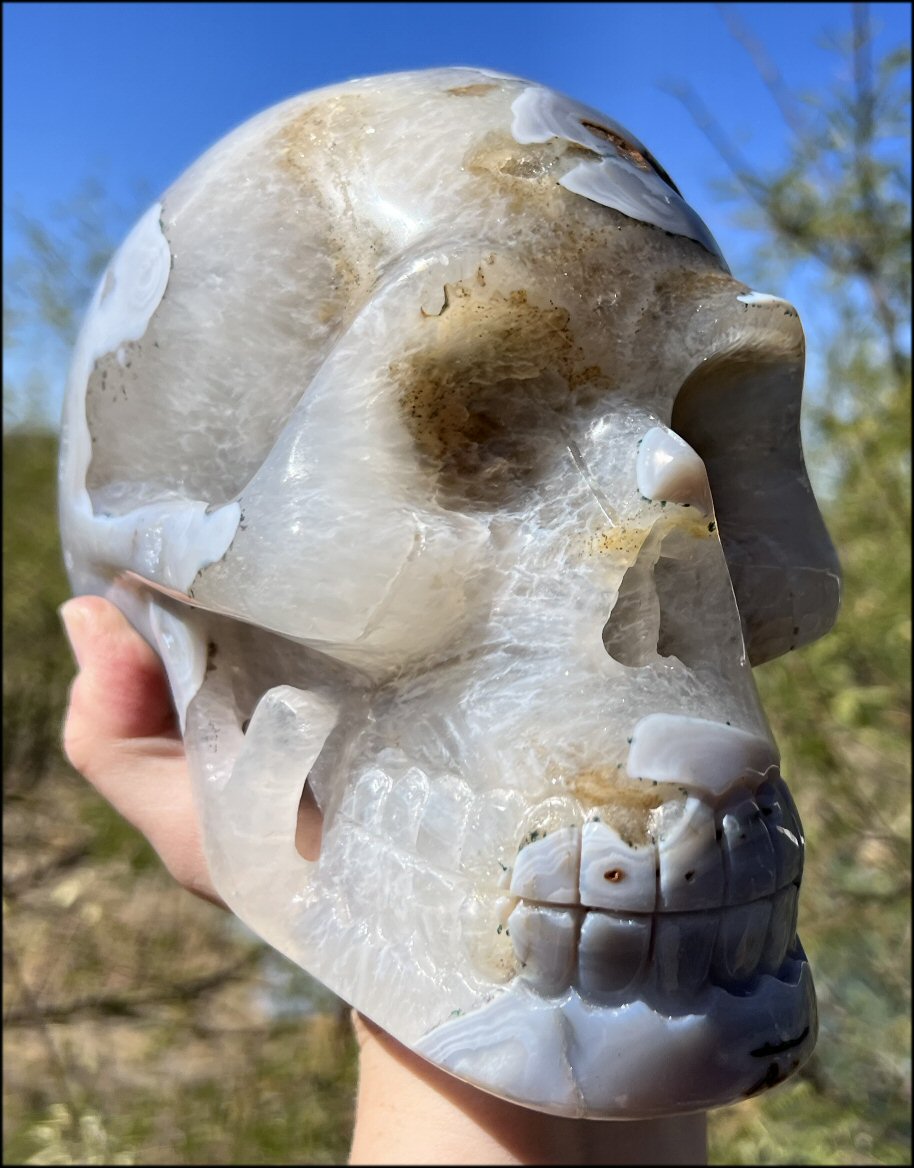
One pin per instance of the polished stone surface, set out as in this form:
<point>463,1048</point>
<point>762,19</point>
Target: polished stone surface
<point>424,431</point>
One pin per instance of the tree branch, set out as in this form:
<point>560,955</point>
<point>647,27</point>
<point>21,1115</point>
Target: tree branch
<point>128,1005</point>
<point>764,66</point>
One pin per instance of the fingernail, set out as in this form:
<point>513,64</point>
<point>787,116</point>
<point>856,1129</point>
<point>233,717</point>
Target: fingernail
<point>73,618</point>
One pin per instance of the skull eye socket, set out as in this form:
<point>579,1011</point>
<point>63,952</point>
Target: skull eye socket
<point>491,449</point>
<point>481,396</point>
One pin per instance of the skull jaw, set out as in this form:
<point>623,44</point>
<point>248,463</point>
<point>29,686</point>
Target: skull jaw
<point>569,1057</point>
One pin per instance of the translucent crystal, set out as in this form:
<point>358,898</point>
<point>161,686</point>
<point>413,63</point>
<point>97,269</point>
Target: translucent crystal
<point>424,431</point>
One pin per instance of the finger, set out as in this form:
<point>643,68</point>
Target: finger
<point>121,679</point>
<point>120,733</point>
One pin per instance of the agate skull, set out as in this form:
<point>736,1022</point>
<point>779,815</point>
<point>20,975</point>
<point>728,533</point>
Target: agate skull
<point>423,431</point>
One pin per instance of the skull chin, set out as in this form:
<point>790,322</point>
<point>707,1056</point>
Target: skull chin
<point>571,1056</point>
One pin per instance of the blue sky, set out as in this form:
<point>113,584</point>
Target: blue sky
<point>133,92</point>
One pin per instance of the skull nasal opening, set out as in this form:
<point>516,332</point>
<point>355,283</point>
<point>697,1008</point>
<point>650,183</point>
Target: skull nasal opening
<point>667,604</point>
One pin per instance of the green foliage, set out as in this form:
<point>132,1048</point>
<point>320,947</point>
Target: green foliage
<point>140,1023</point>
<point>273,1106</point>
<point>841,708</point>
<point>48,280</point>
<point>37,665</point>
<point>62,1138</point>
<point>802,1125</point>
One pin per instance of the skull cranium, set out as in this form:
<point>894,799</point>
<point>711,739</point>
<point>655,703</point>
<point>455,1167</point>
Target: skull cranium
<point>403,427</point>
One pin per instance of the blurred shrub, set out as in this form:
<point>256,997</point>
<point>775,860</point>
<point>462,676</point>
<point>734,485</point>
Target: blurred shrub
<point>37,664</point>
<point>841,708</point>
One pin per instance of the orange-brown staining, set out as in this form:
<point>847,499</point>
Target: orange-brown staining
<point>697,525</point>
<point>627,806</point>
<point>614,875</point>
<point>592,785</point>
<point>524,173</point>
<point>608,786</point>
<point>599,251</point>
<point>697,302</point>
<point>643,159</point>
<point>632,153</point>
<point>591,375</point>
<point>321,129</point>
<point>682,519</point>
<point>626,540</point>
<point>528,175</point>
<point>318,149</point>
<point>481,395</point>
<point>478,89</point>
<point>623,541</point>
<point>520,172</point>
<point>521,166</point>
<point>688,286</point>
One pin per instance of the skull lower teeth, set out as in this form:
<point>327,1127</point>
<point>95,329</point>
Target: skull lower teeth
<point>612,957</point>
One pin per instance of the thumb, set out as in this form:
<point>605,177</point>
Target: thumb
<point>121,734</point>
<point>121,686</point>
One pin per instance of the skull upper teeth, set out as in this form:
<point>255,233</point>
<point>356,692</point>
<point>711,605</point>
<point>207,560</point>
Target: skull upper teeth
<point>707,896</point>
<point>614,872</point>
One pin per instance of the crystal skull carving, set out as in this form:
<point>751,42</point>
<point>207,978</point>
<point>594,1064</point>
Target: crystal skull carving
<point>424,432</point>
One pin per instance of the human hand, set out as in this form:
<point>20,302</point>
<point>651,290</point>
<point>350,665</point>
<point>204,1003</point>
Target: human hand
<point>121,734</point>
